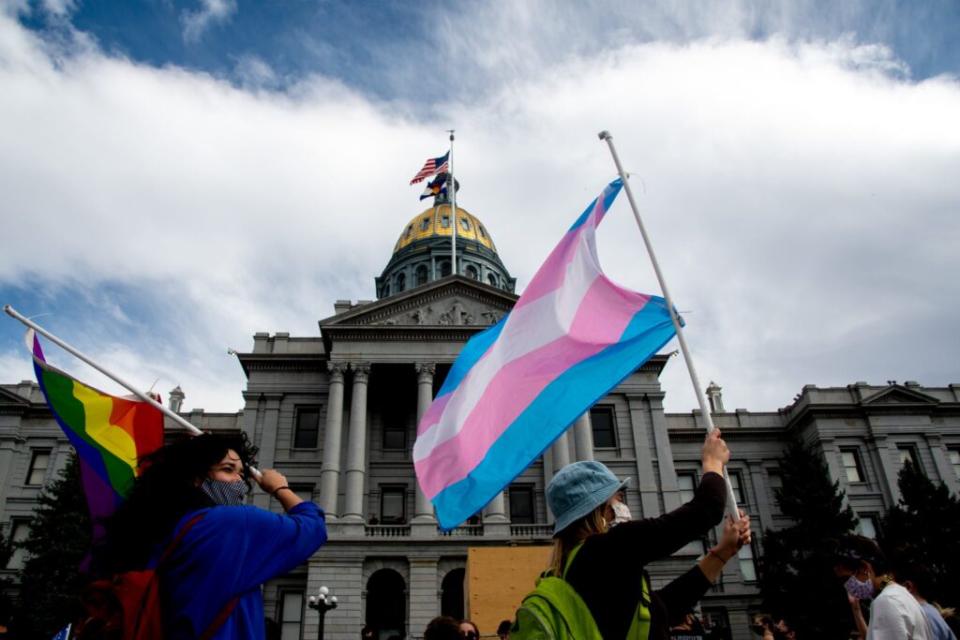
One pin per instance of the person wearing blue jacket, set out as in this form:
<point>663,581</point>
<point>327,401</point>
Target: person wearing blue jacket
<point>186,517</point>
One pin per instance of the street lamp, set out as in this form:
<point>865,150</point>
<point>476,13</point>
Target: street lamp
<point>322,603</point>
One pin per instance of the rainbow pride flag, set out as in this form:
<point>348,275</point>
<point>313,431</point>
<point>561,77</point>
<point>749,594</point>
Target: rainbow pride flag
<point>571,337</point>
<point>109,434</point>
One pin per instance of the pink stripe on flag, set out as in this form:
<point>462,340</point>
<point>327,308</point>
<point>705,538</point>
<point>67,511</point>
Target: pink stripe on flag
<point>553,271</point>
<point>433,412</point>
<point>618,308</point>
<point>515,387</point>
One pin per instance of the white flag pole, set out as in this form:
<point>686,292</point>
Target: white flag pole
<point>13,313</point>
<point>452,195</point>
<point>701,398</point>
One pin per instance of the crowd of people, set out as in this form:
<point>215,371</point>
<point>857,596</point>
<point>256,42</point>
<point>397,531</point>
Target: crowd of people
<point>187,520</point>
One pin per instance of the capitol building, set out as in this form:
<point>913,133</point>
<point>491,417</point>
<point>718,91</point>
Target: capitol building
<point>336,412</point>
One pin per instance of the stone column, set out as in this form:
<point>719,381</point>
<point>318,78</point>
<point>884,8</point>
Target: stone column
<point>560,450</point>
<point>495,523</point>
<point>332,436</point>
<point>423,512</point>
<point>759,486</point>
<point>268,442</point>
<point>942,463</point>
<point>357,444</point>
<point>641,427</point>
<point>583,437</point>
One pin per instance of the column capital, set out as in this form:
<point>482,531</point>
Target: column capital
<point>425,371</point>
<point>336,369</point>
<point>360,371</point>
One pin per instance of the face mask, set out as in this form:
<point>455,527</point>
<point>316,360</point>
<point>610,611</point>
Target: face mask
<point>225,493</point>
<point>860,589</point>
<point>621,513</point>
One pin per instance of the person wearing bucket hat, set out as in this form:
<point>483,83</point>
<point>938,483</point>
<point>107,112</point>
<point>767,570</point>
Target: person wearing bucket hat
<point>607,566</point>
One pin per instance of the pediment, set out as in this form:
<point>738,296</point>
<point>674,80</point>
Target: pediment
<point>898,395</point>
<point>454,301</point>
<point>9,397</point>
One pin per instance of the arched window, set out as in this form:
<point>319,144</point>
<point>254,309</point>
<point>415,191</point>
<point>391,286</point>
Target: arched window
<point>387,603</point>
<point>409,230</point>
<point>464,224</point>
<point>444,269</point>
<point>471,272</point>
<point>445,221</point>
<point>425,223</point>
<point>401,282</point>
<point>492,279</point>
<point>386,289</point>
<point>421,275</point>
<point>451,594</point>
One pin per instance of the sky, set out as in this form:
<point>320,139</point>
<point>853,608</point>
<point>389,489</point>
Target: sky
<point>178,175</point>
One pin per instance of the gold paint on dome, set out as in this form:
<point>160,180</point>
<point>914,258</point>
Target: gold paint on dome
<point>435,222</point>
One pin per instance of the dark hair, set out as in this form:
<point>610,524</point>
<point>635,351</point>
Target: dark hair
<point>504,627</point>
<point>853,551</point>
<point>164,492</point>
<point>472,624</point>
<point>442,628</point>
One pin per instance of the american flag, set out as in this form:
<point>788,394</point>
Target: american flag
<point>430,167</point>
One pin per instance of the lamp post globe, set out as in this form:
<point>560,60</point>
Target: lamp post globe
<point>322,603</point>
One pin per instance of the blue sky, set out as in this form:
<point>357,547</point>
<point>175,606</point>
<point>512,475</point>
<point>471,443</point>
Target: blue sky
<point>181,174</point>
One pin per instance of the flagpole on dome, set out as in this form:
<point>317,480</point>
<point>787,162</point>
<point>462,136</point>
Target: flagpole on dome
<point>701,398</point>
<point>452,195</point>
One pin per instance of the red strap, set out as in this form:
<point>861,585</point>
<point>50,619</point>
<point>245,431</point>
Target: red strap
<point>180,534</point>
<point>220,619</point>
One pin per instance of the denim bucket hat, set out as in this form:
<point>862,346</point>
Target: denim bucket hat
<point>578,489</point>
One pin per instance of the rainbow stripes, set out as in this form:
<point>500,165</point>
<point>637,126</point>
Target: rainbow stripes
<point>109,434</point>
<point>572,337</point>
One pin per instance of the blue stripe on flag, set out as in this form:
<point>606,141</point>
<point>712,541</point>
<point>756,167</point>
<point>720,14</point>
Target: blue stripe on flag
<point>469,355</point>
<point>551,412</point>
<point>609,194</point>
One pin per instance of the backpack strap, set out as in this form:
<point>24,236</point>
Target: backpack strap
<point>227,610</point>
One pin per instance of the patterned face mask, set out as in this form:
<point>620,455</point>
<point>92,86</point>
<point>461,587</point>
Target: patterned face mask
<point>621,513</point>
<point>860,589</point>
<point>225,493</point>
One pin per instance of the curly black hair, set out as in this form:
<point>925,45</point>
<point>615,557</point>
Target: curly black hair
<point>166,490</point>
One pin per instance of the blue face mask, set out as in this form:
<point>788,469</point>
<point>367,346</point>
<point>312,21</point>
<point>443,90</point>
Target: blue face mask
<point>860,589</point>
<point>225,493</point>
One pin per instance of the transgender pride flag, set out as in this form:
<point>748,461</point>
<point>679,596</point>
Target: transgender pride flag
<point>572,337</point>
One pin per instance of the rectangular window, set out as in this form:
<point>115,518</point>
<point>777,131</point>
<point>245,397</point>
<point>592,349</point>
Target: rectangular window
<point>717,619</point>
<point>291,614</point>
<point>304,491</point>
<point>394,435</point>
<point>521,504</point>
<point>907,454</point>
<point>393,505</point>
<point>687,483</point>
<point>38,467</point>
<point>775,482</point>
<point>851,464</point>
<point>604,428</point>
<point>19,530</point>
<point>748,567</point>
<point>737,484</point>
<point>954,455</point>
<point>867,526</point>
<point>307,428</point>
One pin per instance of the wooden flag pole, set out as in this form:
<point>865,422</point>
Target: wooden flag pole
<point>701,398</point>
<point>13,313</point>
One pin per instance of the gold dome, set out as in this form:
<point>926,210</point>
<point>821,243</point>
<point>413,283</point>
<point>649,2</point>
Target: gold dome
<point>435,222</point>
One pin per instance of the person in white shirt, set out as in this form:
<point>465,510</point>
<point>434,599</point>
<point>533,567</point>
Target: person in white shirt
<point>894,614</point>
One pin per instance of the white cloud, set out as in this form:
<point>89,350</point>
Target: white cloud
<point>211,12</point>
<point>801,196</point>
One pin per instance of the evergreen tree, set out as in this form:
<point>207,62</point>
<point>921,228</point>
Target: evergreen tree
<point>6,586</point>
<point>923,530</point>
<point>797,581</point>
<point>59,539</point>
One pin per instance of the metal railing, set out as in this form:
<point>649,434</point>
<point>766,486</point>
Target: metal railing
<point>386,530</point>
<point>531,530</point>
<point>463,531</point>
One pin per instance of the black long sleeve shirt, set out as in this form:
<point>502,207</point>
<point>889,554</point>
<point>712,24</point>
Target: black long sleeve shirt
<point>608,570</point>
